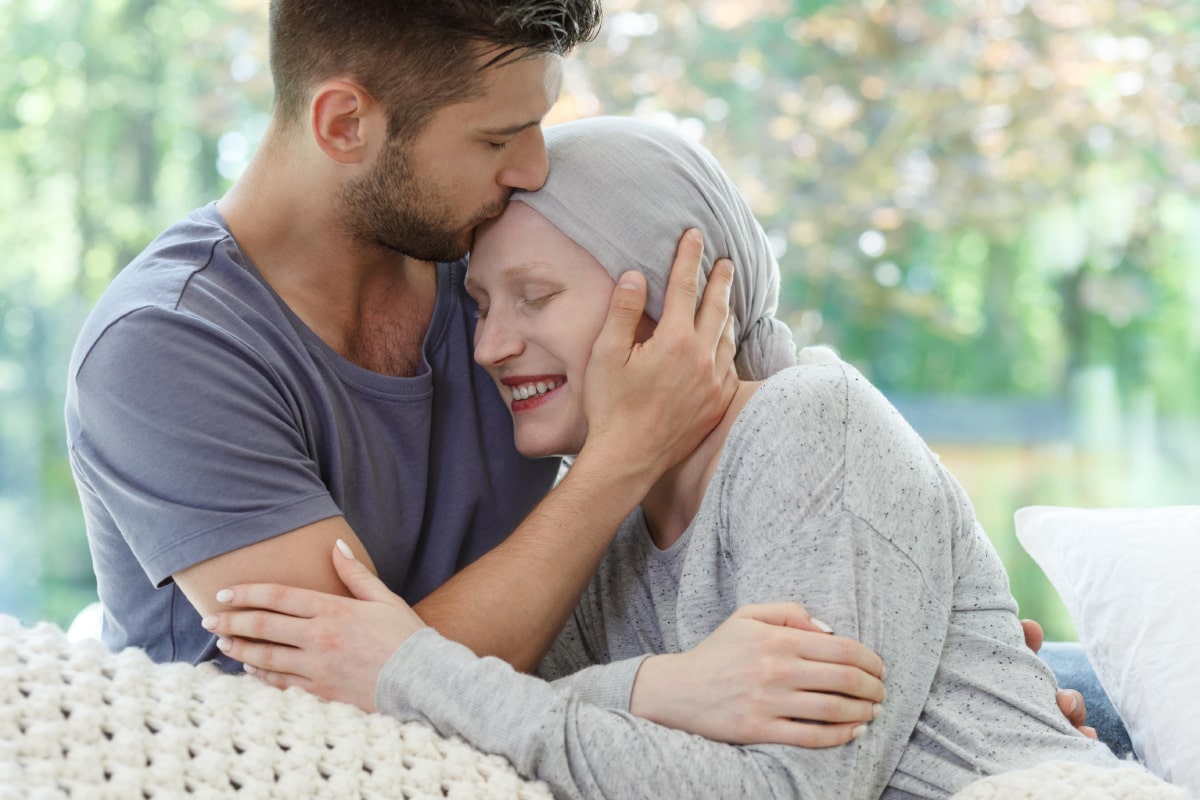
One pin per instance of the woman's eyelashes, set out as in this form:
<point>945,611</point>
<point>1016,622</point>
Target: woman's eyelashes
<point>529,303</point>
<point>541,301</point>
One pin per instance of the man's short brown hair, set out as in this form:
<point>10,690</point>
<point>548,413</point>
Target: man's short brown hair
<point>414,56</point>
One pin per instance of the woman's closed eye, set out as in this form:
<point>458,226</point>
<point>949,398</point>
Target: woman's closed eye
<point>539,302</point>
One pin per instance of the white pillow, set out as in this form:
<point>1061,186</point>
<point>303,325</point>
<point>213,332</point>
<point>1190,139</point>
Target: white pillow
<point>1130,579</point>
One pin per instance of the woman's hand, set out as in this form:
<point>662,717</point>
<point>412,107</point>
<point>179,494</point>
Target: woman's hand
<point>331,646</point>
<point>769,673</point>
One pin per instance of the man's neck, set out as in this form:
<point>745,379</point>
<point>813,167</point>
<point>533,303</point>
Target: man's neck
<point>675,499</point>
<point>370,305</point>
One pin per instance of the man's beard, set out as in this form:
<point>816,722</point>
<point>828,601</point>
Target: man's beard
<point>389,208</point>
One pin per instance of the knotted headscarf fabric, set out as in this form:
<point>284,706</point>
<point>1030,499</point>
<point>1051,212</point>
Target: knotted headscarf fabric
<point>626,190</point>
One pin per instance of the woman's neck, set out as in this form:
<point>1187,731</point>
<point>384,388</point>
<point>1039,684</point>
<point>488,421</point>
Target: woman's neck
<point>675,499</point>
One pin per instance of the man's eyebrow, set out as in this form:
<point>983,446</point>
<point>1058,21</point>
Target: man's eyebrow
<point>511,130</point>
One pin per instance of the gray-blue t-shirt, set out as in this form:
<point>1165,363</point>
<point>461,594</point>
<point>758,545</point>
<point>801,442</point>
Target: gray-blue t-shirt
<point>203,416</point>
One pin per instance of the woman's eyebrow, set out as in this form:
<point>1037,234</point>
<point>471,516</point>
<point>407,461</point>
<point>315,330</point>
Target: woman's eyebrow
<point>514,272</point>
<point>472,286</point>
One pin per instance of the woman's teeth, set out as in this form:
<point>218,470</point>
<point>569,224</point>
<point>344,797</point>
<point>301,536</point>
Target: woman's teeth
<point>528,390</point>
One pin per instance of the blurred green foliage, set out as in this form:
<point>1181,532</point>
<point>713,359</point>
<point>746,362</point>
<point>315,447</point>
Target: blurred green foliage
<point>989,206</point>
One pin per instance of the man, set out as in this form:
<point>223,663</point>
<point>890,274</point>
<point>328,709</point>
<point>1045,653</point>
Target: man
<point>288,366</point>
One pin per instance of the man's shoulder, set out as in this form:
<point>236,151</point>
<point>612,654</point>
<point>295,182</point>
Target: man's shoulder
<point>191,265</point>
<point>159,275</point>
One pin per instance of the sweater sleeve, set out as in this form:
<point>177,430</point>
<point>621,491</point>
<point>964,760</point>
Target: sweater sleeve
<point>580,750</point>
<point>572,665</point>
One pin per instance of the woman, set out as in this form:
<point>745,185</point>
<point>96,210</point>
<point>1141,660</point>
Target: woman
<point>811,489</point>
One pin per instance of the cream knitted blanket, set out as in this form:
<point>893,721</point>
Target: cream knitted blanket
<point>78,721</point>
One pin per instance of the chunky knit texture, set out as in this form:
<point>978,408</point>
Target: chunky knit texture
<point>78,721</point>
<point>1059,780</point>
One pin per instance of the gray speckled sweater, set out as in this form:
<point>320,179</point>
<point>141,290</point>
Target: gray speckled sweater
<point>825,496</point>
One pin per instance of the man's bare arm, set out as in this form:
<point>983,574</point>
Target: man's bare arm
<point>299,558</point>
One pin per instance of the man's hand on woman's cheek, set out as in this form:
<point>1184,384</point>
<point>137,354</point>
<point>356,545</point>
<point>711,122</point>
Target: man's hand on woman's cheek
<point>650,404</point>
<point>332,646</point>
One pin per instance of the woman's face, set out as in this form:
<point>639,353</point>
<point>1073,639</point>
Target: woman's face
<point>542,302</point>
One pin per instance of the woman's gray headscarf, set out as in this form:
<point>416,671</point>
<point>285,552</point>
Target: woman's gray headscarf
<point>625,190</point>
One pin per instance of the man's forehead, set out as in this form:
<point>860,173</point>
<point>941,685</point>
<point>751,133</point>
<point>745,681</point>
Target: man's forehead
<point>512,97</point>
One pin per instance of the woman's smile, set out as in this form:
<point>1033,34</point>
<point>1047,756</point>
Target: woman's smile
<point>530,392</point>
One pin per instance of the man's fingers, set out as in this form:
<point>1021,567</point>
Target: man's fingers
<point>726,350</point>
<point>625,311</point>
<point>679,302</point>
<point>1034,635</point>
<point>713,318</point>
<point>1072,704</point>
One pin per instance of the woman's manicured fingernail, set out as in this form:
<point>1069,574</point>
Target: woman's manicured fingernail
<point>875,711</point>
<point>345,548</point>
<point>224,644</point>
<point>820,624</point>
<point>208,623</point>
<point>859,731</point>
<point>225,595</point>
<point>1072,703</point>
<point>249,669</point>
<point>883,674</point>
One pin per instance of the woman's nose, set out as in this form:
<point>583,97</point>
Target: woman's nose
<point>495,341</point>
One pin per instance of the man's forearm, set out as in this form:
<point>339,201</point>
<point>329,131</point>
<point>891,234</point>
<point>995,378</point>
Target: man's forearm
<point>513,601</point>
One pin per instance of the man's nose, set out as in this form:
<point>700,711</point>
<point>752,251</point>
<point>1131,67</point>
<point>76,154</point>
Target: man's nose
<point>528,164</point>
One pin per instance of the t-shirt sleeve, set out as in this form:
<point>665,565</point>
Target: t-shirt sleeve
<point>189,440</point>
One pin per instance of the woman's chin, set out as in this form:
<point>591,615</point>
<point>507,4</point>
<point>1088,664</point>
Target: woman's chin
<point>540,452</point>
<point>546,449</point>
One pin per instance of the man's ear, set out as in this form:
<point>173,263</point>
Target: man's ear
<point>346,121</point>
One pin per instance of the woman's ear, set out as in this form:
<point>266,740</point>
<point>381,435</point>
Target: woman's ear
<point>344,120</point>
<point>645,329</point>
